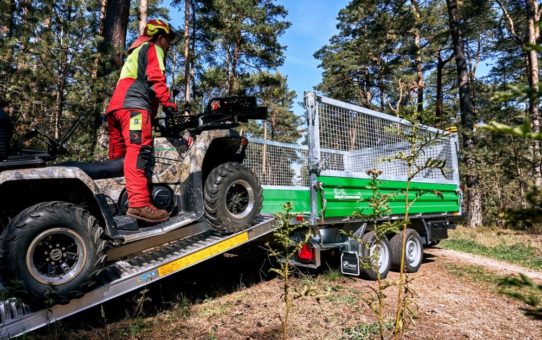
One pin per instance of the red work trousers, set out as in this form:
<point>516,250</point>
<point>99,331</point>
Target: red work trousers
<point>130,136</point>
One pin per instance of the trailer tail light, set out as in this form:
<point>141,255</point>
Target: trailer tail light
<point>306,254</point>
<point>300,218</point>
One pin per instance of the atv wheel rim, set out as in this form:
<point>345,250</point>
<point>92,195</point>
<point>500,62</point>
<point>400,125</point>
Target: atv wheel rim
<point>239,199</point>
<point>56,256</point>
<point>382,251</point>
<point>413,252</point>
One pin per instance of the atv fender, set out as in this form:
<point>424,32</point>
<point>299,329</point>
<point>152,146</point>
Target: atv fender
<point>49,173</point>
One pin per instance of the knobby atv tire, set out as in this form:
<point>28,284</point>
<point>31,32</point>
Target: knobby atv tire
<point>367,270</point>
<point>24,248</point>
<point>413,251</point>
<point>227,182</point>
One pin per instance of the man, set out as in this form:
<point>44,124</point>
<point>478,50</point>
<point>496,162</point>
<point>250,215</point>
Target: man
<point>140,89</point>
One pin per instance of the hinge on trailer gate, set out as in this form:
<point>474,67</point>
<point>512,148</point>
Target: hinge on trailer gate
<point>318,186</point>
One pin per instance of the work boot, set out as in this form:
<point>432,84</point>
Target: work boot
<point>148,213</point>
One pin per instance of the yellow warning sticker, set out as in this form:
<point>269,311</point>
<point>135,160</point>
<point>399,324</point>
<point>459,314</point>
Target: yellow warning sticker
<point>135,122</point>
<point>203,254</point>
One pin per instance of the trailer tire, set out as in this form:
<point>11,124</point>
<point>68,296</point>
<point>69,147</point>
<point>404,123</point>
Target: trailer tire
<point>55,250</point>
<point>232,197</point>
<point>367,251</point>
<point>413,251</point>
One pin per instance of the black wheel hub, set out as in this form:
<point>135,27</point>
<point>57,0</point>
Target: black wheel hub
<point>237,199</point>
<point>56,256</point>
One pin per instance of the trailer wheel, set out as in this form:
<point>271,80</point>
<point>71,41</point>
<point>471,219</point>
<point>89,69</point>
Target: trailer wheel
<point>374,256</point>
<point>55,250</point>
<point>232,197</point>
<point>413,251</point>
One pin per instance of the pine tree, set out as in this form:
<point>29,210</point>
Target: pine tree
<point>240,38</point>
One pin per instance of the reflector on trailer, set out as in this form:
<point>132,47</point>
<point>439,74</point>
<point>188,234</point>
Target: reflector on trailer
<point>306,253</point>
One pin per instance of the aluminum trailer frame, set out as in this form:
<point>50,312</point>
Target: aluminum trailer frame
<point>127,275</point>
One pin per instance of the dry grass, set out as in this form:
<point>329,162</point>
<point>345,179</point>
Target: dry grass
<point>209,302</point>
<point>492,237</point>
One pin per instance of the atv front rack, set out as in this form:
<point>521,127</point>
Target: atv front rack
<point>123,276</point>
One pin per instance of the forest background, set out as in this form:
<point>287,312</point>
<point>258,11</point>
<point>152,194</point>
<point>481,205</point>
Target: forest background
<point>415,59</point>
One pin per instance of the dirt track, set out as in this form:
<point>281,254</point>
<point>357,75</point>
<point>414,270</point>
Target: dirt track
<point>490,264</point>
<point>245,306</point>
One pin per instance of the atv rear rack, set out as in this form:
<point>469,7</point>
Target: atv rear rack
<point>126,275</point>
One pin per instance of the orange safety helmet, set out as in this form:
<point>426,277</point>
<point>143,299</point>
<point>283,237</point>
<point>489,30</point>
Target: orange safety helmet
<point>153,28</point>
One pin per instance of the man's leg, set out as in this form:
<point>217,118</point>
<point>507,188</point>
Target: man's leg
<point>137,133</point>
<point>117,148</point>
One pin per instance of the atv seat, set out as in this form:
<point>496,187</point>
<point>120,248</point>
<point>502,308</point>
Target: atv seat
<point>99,170</point>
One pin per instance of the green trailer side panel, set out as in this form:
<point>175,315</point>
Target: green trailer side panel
<point>346,195</point>
<point>274,199</point>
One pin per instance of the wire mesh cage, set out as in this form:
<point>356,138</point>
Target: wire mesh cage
<point>354,140</point>
<point>278,164</point>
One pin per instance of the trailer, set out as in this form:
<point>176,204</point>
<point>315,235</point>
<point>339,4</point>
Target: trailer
<point>324,180</point>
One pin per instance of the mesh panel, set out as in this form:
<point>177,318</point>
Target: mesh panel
<point>278,164</point>
<point>353,142</point>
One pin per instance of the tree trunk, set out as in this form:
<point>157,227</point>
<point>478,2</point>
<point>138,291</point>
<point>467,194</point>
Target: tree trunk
<point>468,118</point>
<point>116,25</point>
<point>419,66</point>
<point>187,51</point>
<point>10,29</point>
<point>381,90</point>
<point>234,61</point>
<point>534,102</point>
<point>62,78</point>
<point>143,8</point>
<point>100,51</point>
<point>439,113</point>
<point>439,96</point>
<point>193,59</point>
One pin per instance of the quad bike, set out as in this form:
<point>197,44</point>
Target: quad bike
<point>58,221</point>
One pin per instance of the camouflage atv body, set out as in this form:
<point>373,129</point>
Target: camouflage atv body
<point>58,221</point>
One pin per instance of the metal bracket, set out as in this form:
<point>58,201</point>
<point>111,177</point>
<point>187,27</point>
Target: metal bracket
<point>318,187</point>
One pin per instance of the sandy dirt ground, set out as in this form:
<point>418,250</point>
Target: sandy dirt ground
<point>235,297</point>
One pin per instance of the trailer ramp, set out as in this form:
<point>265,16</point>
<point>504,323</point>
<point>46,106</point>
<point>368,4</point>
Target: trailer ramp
<point>130,274</point>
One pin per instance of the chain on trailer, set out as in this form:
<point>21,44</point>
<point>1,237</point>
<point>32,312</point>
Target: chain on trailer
<point>132,273</point>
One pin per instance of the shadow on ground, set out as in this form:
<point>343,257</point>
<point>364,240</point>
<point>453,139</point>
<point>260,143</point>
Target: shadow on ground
<point>221,275</point>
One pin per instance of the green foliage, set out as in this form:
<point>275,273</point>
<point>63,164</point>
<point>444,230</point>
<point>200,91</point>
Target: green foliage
<point>286,248</point>
<point>526,290</point>
<point>49,69</point>
<point>378,208</point>
<point>272,90</point>
<point>365,331</point>
<point>238,38</point>
<point>518,253</point>
<point>524,130</point>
